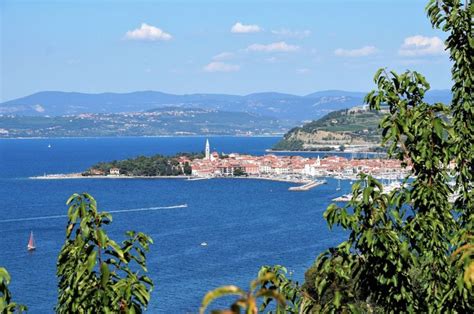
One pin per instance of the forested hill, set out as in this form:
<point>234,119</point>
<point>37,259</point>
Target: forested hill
<point>355,126</point>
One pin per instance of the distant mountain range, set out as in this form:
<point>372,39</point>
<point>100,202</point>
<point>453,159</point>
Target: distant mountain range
<point>277,105</point>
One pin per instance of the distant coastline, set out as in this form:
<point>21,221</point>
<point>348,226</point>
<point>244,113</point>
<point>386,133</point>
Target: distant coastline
<point>133,136</point>
<point>78,176</point>
<point>269,150</point>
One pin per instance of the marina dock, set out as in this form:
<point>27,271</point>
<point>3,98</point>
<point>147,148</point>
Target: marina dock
<point>307,186</point>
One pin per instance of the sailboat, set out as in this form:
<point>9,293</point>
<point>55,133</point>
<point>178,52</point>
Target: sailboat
<point>31,243</point>
<point>338,185</point>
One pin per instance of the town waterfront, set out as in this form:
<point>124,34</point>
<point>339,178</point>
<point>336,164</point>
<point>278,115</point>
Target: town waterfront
<point>246,223</point>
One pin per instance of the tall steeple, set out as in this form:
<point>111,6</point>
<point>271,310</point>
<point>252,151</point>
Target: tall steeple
<point>208,150</point>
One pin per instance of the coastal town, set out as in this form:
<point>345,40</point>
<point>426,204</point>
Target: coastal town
<point>292,167</point>
<point>295,169</point>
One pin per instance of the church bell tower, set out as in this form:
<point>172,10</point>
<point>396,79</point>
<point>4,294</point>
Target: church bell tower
<point>208,150</point>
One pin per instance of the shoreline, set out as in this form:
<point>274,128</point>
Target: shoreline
<point>135,136</point>
<point>321,151</point>
<point>78,176</point>
<point>66,176</point>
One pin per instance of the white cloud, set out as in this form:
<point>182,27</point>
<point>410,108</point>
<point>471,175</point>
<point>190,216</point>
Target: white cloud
<point>280,46</point>
<point>221,67</point>
<point>240,28</point>
<point>421,46</point>
<point>223,56</point>
<point>148,33</point>
<point>284,32</point>
<point>360,52</point>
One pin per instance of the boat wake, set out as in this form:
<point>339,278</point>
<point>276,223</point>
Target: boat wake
<point>143,209</point>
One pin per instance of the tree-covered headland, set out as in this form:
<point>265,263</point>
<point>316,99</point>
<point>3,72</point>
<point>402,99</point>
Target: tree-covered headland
<point>157,165</point>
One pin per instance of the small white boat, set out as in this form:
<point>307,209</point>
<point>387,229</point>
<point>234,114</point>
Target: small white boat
<point>31,243</point>
<point>198,178</point>
<point>203,243</point>
<point>49,145</point>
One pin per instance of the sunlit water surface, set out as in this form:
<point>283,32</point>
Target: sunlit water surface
<point>245,223</point>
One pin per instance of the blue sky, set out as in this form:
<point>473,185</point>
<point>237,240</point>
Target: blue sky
<point>235,47</point>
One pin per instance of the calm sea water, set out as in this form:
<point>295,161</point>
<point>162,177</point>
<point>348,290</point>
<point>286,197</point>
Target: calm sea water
<point>246,223</point>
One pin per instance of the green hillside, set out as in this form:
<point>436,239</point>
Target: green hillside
<point>355,126</point>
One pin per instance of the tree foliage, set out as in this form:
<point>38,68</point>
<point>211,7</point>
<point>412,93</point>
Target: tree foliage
<point>157,165</point>
<point>289,144</point>
<point>297,299</point>
<point>246,300</point>
<point>239,172</point>
<point>96,273</point>
<point>412,249</point>
<point>6,303</point>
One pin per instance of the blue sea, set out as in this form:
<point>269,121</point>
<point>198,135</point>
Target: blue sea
<point>246,223</point>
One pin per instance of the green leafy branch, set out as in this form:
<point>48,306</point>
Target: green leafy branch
<point>246,300</point>
<point>6,303</point>
<point>95,272</point>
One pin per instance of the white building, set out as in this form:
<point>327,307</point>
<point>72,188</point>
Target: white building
<point>313,169</point>
<point>114,171</point>
<point>265,168</point>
